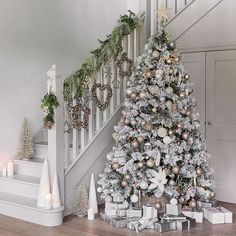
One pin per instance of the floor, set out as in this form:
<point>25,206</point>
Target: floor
<point>74,226</point>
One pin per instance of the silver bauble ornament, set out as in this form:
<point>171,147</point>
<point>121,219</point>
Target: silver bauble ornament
<point>124,183</point>
<point>142,95</point>
<point>167,171</point>
<point>129,91</point>
<point>188,113</point>
<point>162,99</point>
<point>158,205</point>
<point>170,132</point>
<point>181,200</point>
<point>212,195</point>
<point>133,122</point>
<point>140,164</point>
<point>140,139</point>
<point>167,140</point>
<point>175,169</point>
<point>168,61</point>
<point>115,166</point>
<point>199,171</point>
<point>171,45</point>
<point>127,121</point>
<point>127,176</point>
<point>99,189</point>
<point>169,90</point>
<point>147,146</point>
<point>150,163</point>
<point>162,132</point>
<point>169,105</point>
<point>171,183</point>
<point>143,123</point>
<point>121,161</point>
<point>135,143</point>
<point>148,126</point>
<point>185,135</point>
<point>109,156</point>
<point>186,76</point>
<point>155,54</point>
<point>182,94</point>
<point>134,198</point>
<point>173,201</point>
<point>171,71</point>
<point>143,185</point>
<point>154,109</point>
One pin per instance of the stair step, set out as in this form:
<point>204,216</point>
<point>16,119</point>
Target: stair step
<point>22,185</point>
<point>32,167</point>
<point>25,208</point>
<point>41,150</point>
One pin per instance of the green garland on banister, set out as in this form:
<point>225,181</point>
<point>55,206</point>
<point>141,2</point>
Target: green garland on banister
<point>109,49</point>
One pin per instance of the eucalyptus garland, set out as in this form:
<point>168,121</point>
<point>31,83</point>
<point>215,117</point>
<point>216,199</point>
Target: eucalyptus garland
<point>109,49</point>
<point>48,103</point>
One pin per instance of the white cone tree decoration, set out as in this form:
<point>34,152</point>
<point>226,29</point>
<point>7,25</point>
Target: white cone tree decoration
<point>44,187</point>
<point>93,195</point>
<point>56,202</point>
<point>80,206</point>
<point>26,147</point>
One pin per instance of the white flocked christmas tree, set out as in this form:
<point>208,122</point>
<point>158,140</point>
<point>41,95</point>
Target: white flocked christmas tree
<point>159,149</point>
<point>26,148</point>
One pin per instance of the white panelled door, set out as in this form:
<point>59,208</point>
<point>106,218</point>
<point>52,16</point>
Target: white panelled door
<point>221,120</point>
<point>194,63</point>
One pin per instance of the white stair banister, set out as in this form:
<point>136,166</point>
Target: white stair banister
<point>56,133</point>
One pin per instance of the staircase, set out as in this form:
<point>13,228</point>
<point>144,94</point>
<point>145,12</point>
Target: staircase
<point>74,154</point>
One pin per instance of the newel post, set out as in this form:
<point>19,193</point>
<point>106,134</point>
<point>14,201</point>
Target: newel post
<point>56,133</point>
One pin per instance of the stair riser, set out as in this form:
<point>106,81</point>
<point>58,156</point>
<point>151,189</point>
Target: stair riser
<point>41,151</point>
<point>28,169</point>
<point>31,215</point>
<point>19,188</point>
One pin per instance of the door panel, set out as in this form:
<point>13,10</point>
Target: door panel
<point>194,63</point>
<point>221,120</point>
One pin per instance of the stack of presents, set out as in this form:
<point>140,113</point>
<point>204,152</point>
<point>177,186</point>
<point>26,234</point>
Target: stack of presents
<point>121,214</point>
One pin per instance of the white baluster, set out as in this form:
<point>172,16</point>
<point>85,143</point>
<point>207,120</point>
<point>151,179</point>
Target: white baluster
<point>75,138</point>
<point>105,81</point>
<point>98,112</point>
<point>91,117</point>
<point>82,133</point>
<point>136,43</point>
<point>66,138</point>
<point>171,5</point>
<point>113,98</point>
<point>154,6</point>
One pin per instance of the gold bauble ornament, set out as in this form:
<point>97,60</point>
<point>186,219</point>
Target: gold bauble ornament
<point>140,139</point>
<point>171,183</point>
<point>115,166</point>
<point>186,76</point>
<point>127,176</point>
<point>143,123</point>
<point>162,132</point>
<point>185,135</point>
<point>167,171</point>
<point>148,126</point>
<point>128,91</point>
<point>154,109</point>
<point>212,194</point>
<point>135,143</point>
<point>175,169</point>
<point>192,203</point>
<point>140,164</point>
<point>188,113</point>
<point>133,95</point>
<point>182,94</point>
<point>174,107</point>
<point>171,45</point>
<point>168,61</point>
<point>179,126</point>
<point>171,71</point>
<point>158,205</point>
<point>150,163</point>
<point>127,121</point>
<point>124,183</point>
<point>149,73</point>
<point>199,171</point>
<point>176,59</point>
<point>142,95</point>
<point>169,90</point>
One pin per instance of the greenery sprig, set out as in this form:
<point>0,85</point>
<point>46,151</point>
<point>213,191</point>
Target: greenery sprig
<point>48,103</point>
<point>109,49</point>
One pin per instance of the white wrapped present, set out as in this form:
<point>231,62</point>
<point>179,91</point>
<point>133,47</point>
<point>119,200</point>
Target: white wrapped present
<point>194,213</point>
<point>111,208</point>
<point>218,215</point>
<point>173,209</point>
<point>149,212</point>
<point>206,203</point>
<point>134,212</point>
<point>118,197</point>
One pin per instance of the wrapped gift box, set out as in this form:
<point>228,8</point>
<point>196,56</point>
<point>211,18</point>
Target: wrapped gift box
<point>149,212</point>
<point>173,209</point>
<point>119,222</point>
<point>163,227</point>
<point>134,212</point>
<point>133,223</point>
<point>147,224</point>
<point>194,213</point>
<point>107,218</point>
<point>206,203</point>
<point>118,197</point>
<point>111,208</point>
<point>186,224</point>
<point>121,213</point>
<point>218,215</point>
<point>168,218</point>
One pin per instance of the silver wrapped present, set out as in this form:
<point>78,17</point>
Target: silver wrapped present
<point>146,224</point>
<point>194,213</point>
<point>163,227</point>
<point>173,209</point>
<point>182,225</point>
<point>134,212</point>
<point>106,218</point>
<point>111,208</point>
<point>121,212</point>
<point>168,218</point>
<point>206,203</point>
<point>149,212</point>
<point>119,222</point>
<point>133,223</point>
<point>118,197</point>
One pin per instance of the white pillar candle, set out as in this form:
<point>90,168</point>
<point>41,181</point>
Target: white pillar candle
<point>10,169</point>
<point>48,201</point>
<point>90,214</point>
<point>4,171</point>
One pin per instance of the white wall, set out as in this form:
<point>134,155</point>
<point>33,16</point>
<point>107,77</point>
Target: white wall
<point>34,35</point>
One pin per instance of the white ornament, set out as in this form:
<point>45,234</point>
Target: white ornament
<point>92,195</point>
<point>44,187</point>
<point>109,156</point>
<point>173,201</point>
<point>162,132</point>
<point>167,140</point>
<point>56,202</point>
<point>169,104</point>
<point>108,199</point>
<point>155,54</point>
<point>157,158</point>
<point>99,189</point>
<point>143,185</point>
<point>158,181</point>
<point>169,90</point>
<point>134,198</point>
<point>121,161</point>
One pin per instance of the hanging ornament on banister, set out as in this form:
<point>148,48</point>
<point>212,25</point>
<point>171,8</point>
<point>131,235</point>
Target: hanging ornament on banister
<point>125,66</point>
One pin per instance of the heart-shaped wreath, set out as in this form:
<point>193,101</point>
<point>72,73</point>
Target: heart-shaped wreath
<point>74,114</point>
<point>101,105</point>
